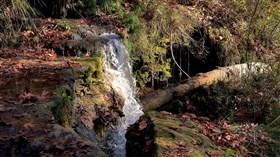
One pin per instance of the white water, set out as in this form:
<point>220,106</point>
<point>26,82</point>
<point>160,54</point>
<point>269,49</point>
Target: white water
<point>118,70</point>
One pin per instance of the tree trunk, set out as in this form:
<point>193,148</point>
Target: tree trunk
<point>224,74</point>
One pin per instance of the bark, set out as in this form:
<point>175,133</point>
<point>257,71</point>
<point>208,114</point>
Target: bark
<point>224,74</point>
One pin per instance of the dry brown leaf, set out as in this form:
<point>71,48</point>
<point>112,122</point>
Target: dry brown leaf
<point>28,125</point>
<point>174,128</point>
<point>83,144</point>
<point>182,144</point>
<point>142,125</point>
<point>27,97</point>
<point>215,154</point>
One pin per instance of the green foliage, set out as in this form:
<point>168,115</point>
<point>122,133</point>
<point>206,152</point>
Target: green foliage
<point>63,109</point>
<point>261,29</point>
<point>155,64</point>
<point>149,45</point>
<point>264,21</point>
<point>132,22</point>
<point>273,119</point>
<point>230,152</point>
<point>94,7</point>
<point>94,69</point>
<point>241,30</point>
<point>63,25</point>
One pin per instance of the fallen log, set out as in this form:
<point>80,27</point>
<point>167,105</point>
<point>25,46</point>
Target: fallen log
<point>224,74</point>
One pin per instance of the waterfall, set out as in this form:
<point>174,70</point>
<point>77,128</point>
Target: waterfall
<point>118,69</point>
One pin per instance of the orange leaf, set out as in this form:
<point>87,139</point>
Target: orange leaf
<point>142,125</point>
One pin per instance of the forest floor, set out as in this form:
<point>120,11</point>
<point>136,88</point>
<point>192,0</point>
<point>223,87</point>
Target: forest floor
<point>30,76</point>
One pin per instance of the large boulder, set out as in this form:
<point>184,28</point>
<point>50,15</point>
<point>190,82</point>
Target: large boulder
<point>163,134</point>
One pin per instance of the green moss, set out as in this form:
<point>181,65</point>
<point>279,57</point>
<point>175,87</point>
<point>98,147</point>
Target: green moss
<point>63,108</point>
<point>94,69</point>
<point>170,131</point>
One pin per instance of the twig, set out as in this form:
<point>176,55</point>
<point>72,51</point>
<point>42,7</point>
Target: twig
<point>171,49</point>
<point>276,119</point>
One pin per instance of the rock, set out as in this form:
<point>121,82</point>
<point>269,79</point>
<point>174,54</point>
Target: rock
<point>168,135</point>
<point>73,102</point>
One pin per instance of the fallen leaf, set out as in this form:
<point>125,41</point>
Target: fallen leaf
<point>2,107</point>
<point>28,125</point>
<point>217,130</point>
<point>234,143</point>
<point>186,117</point>
<point>216,154</point>
<point>182,144</point>
<point>173,147</point>
<point>142,125</point>
<point>174,128</point>
<point>197,142</point>
<point>27,97</point>
<point>83,144</point>
<point>38,80</point>
<point>160,116</point>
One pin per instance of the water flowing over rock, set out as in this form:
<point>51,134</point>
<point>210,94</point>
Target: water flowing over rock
<point>118,70</point>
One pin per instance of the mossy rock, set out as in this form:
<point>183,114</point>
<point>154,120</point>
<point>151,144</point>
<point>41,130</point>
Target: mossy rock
<point>63,108</point>
<point>169,135</point>
<point>92,69</point>
<point>97,105</point>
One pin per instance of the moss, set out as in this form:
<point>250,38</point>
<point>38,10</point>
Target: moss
<point>170,131</point>
<point>63,109</point>
<point>93,70</point>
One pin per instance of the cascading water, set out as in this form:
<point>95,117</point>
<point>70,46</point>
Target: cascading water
<point>118,70</point>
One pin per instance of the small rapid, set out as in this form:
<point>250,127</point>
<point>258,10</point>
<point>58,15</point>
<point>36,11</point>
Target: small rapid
<point>118,69</point>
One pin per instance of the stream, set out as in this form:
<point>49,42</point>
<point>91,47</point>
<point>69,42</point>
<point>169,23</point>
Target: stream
<point>118,69</point>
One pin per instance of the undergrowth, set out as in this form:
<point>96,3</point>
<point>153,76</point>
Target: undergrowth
<point>251,99</point>
<point>241,30</point>
<point>15,15</point>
